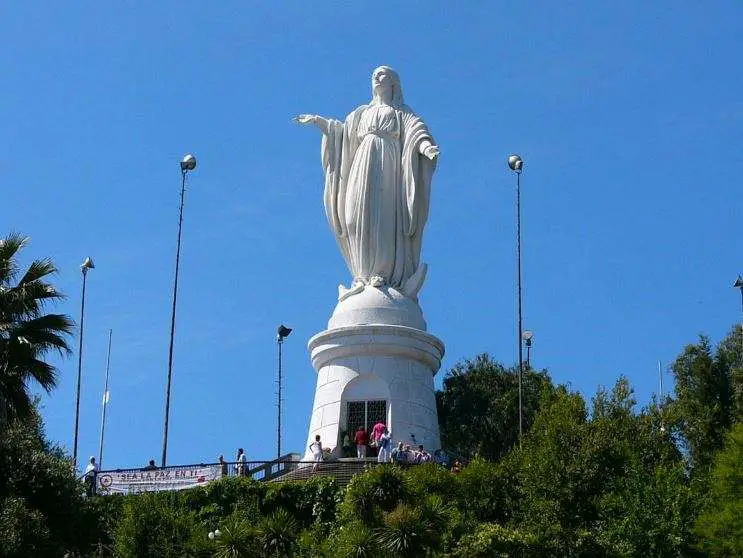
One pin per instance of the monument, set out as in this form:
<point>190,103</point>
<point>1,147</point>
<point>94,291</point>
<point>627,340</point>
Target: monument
<point>376,362</point>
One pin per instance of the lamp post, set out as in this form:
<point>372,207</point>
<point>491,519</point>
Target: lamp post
<point>281,334</point>
<point>739,285</point>
<point>527,337</point>
<point>105,400</point>
<point>84,268</point>
<point>187,164</point>
<point>517,164</point>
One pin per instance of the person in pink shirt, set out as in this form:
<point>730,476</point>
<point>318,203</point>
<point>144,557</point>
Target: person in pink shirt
<point>377,431</point>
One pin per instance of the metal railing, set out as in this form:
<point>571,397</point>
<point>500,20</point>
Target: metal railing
<point>178,477</point>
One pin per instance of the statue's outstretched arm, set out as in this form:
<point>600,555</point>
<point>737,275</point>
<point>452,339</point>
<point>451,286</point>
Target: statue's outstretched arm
<point>318,121</point>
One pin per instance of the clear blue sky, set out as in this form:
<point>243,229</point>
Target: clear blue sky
<point>629,117</point>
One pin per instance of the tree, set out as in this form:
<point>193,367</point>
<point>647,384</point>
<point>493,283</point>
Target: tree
<point>704,404</point>
<point>478,406</point>
<point>720,526</point>
<point>42,508</point>
<point>27,334</point>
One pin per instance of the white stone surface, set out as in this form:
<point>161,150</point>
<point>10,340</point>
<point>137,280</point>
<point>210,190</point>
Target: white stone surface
<point>371,362</point>
<point>378,167</point>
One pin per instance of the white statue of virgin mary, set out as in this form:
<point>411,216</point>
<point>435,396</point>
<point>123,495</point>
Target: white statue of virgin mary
<point>378,166</point>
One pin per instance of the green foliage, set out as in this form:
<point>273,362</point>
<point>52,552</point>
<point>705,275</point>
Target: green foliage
<point>478,402</point>
<point>355,540</point>
<point>493,540</point>
<point>406,532</point>
<point>277,534</point>
<point>24,531</point>
<point>488,489</point>
<point>720,526</point>
<point>27,334</point>
<point>312,500</point>
<point>379,489</point>
<point>703,409</point>
<point>238,538</point>
<point>39,493</point>
<point>153,525</point>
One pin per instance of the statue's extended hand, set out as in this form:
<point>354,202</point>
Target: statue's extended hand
<point>304,119</point>
<point>432,151</point>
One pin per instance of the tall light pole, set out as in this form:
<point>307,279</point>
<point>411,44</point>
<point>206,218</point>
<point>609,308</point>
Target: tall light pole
<point>281,334</point>
<point>105,400</point>
<point>739,285</point>
<point>84,268</point>
<point>187,164</point>
<point>516,164</point>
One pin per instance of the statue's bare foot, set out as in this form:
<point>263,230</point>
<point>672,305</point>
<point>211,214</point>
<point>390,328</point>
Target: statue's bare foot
<point>377,281</point>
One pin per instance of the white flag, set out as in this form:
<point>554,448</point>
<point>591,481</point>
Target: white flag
<point>106,396</point>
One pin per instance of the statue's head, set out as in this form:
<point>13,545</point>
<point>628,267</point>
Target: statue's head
<point>385,78</point>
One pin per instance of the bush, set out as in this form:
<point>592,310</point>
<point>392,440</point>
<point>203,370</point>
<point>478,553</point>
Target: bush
<point>308,501</point>
<point>493,540</point>
<point>151,525</point>
<point>379,489</point>
<point>406,532</point>
<point>277,534</point>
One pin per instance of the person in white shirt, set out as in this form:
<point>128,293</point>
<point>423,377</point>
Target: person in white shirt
<point>316,449</point>
<point>385,444</point>
<point>90,472</point>
<point>242,463</point>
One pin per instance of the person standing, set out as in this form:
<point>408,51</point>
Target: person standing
<point>361,439</point>
<point>222,466</point>
<point>384,443</point>
<point>422,456</point>
<point>316,449</point>
<point>241,460</point>
<point>398,454</point>
<point>90,473</point>
<point>377,431</point>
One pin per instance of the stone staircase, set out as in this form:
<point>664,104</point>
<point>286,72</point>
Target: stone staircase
<point>343,470</point>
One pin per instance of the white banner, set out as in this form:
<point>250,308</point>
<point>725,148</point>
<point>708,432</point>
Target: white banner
<point>139,480</point>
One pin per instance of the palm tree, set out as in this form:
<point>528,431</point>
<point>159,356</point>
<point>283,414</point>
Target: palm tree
<point>27,334</point>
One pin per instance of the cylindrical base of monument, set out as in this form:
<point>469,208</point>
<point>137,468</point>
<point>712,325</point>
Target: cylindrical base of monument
<point>372,373</point>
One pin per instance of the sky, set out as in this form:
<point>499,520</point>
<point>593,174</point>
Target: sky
<point>628,115</point>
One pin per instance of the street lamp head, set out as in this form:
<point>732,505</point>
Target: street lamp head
<point>527,335</point>
<point>86,265</point>
<point>188,163</point>
<point>283,332</point>
<point>738,283</point>
<point>516,163</point>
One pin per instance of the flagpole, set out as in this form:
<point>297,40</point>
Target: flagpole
<point>105,400</point>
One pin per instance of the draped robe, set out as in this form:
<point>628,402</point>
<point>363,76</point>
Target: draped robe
<point>377,191</point>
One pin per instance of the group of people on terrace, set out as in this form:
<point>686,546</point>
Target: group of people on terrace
<point>380,439</point>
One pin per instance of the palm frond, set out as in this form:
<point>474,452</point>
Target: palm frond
<point>38,270</point>
<point>9,248</point>
<point>37,370</point>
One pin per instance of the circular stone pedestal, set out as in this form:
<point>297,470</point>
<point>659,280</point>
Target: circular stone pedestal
<point>373,305</point>
<point>375,362</point>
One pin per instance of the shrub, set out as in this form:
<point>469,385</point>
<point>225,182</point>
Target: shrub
<point>308,501</point>
<point>381,488</point>
<point>493,540</point>
<point>277,534</point>
<point>151,525</point>
<point>238,539</point>
<point>406,532</point>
